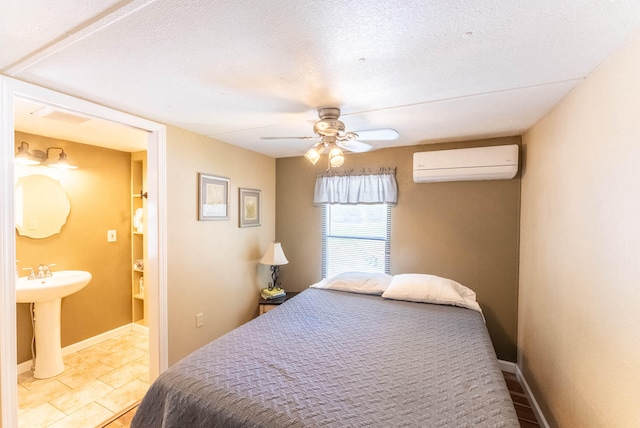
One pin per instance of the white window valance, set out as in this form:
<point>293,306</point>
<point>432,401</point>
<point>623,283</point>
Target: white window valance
<point>356,187</point>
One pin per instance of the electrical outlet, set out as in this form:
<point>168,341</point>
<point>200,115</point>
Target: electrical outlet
<point>199,320</point>
<point>111,236</point>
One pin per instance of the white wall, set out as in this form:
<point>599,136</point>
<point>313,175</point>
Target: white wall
<point>579,298</point>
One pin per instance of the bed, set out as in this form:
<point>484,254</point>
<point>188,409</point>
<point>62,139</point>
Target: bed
<point>330,358</point>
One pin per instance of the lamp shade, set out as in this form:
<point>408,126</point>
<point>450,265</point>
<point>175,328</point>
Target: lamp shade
<point>24,157</point>
<point>62,162</point>
<point>312,155</point>
<point>336,157</point>
<point>274,255</point>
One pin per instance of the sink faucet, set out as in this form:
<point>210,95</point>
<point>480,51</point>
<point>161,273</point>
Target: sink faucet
<point>44,271</point>
<point>32,274</point>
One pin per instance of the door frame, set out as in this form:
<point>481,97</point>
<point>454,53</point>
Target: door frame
<point>155,272</point>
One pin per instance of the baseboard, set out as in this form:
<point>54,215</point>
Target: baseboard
<point>507,366</point>
<point>83,344</point>
<point>532,399</point>
<point>24,367</point>
<point>139,328</point>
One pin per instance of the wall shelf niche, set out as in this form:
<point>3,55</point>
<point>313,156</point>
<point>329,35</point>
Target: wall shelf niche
<point>138,236</point>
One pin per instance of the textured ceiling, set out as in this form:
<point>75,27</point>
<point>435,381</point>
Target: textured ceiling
<point>433,70</point>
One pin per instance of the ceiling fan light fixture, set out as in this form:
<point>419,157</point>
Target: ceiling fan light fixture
<point>312,155</point>
<point>333,137</point>
<point>336,157</point>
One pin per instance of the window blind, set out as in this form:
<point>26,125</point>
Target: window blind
<point>355,238</point>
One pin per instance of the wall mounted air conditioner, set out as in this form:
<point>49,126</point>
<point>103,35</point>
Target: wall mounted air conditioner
<point>478,163</point>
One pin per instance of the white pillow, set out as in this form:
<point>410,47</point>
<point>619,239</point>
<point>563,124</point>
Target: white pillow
<point>424,288</point>
<point>357,282</point>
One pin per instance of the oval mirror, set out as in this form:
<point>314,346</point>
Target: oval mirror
<point>42,206</point>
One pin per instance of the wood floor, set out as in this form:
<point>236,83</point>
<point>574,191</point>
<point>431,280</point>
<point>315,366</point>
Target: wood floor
<point>123,420</point>
<point>523,409</point>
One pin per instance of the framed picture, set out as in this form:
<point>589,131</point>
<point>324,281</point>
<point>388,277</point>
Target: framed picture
<point>250,207</point>
<point>213,197</point>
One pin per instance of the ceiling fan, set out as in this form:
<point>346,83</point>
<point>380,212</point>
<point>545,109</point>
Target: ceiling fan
<point>333,137</point>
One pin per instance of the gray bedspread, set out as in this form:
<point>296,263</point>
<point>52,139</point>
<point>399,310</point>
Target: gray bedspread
<point>334,359</point>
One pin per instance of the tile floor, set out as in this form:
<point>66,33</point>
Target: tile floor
<point>98,382</point>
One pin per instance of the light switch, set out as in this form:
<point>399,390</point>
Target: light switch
<point>111,236</point>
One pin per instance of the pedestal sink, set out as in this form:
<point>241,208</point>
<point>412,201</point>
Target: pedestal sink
<point>46,294</point>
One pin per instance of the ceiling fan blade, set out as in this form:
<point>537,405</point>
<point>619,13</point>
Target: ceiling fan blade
<point>289,138</point>
<point>384,134</point>
<point>354,146</point>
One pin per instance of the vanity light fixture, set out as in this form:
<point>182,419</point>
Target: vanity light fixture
<point>24,157</point>
<point>63,160</point>
<point>37,157</point>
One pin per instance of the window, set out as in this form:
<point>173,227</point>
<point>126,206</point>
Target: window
<point>355,238</point>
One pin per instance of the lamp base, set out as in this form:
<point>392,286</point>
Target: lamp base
<point>274,285</point>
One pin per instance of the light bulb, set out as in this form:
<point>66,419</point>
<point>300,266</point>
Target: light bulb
<point>312,156</point>
<point>336,157</point>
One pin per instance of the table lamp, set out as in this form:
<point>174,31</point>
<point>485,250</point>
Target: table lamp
<point>274,257</point>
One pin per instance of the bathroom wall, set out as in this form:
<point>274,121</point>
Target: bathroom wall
<point>99,191</point>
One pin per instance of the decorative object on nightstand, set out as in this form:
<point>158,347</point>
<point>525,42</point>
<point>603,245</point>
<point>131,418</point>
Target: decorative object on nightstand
<point>274,257</point>
<point>273,294</point>
<point>265,305</point>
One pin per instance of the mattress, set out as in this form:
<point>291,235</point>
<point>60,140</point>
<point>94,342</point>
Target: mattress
<point>335,359</point>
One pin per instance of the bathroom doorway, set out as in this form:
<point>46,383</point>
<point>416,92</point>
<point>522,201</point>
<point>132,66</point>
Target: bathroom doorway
<point>12,92</point>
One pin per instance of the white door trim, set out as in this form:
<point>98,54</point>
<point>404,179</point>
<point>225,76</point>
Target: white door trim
<point>8,368</point>
<point>155,272</point>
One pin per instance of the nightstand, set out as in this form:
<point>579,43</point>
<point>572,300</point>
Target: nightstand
<point>267,305</point>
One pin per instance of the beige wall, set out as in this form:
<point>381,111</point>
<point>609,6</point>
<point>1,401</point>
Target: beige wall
<point>213,265</point>
<point>99,193</point>
<point>467,231</point>
<point>579,322</point>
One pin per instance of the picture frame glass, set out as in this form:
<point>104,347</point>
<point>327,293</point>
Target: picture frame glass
<point>213,197</point>
<point>250,207</point>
